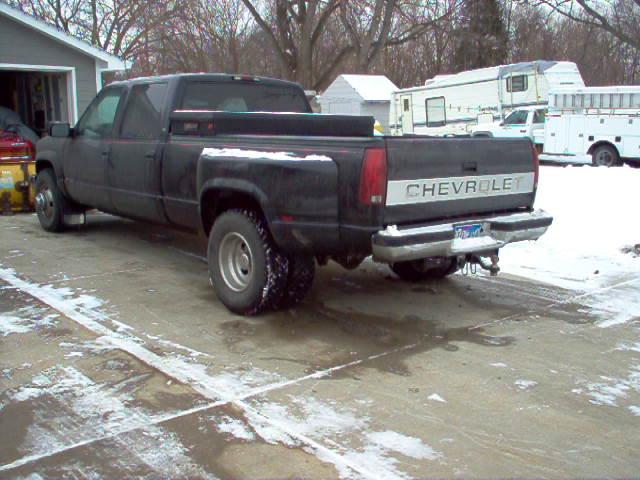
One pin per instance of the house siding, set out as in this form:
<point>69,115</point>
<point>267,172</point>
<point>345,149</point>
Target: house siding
<point>22,45</point>
<point>340,98</point>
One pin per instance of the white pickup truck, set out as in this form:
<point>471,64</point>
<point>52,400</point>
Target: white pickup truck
<point>523,122</point>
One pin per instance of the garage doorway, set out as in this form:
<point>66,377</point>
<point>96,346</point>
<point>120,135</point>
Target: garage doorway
<point>39,95</point>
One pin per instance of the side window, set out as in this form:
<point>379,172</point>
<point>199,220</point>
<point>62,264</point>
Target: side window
<point>143,115</point>
<point>436,114</point>
<point>539,116</point>
<point>518,83</point>
<point>98,120</point>
<point>517,117</point>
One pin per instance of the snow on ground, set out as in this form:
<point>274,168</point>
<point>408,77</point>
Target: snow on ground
<point>595,218</point>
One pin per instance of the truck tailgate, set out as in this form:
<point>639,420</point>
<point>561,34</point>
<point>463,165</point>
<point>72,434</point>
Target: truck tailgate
<point>434,178</point>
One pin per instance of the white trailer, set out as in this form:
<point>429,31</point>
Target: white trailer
<point>452,104</point>
<point>593,125</point>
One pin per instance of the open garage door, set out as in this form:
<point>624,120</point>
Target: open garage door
<point>39,95</point>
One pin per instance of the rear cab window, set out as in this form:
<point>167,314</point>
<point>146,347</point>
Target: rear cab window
<point>143,113</point>
<point>237,96</point>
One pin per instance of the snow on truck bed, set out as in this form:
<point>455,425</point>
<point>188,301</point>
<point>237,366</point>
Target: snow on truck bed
<point>596,219</point>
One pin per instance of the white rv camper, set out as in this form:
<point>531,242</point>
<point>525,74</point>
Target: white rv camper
<point>594,125</point>
<point>453,104</point>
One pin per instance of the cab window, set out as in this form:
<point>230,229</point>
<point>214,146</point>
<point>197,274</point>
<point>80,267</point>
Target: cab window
<point>244,97</point>
<point>98,120</point>
<point>143,115</point>
<point>517,117</point>
<point>539,116</point>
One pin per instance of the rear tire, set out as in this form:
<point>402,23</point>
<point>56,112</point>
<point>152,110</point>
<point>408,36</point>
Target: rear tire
<point>247,270</point>
<point>302,269</point>
<point>49,202</point>
<point>417,271</point>
<point>605,156</point>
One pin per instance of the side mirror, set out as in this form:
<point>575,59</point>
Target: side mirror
<point>60,130</point>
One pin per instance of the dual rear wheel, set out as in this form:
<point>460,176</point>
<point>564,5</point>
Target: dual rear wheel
<point>249,273</point>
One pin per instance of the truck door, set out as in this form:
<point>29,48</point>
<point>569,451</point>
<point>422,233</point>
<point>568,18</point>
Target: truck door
<point>407,114</point>
<point>515,125</point>
<point>87,152</point>
<point>135,164</point>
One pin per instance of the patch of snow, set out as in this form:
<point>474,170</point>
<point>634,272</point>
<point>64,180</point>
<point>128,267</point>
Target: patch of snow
<point>370,87</point>
<point>436,398</point>
<point>525,384</point>
<point>582,250</point>
<point>235,427</point>
<point>85,410</point>
<point>498,365</point>
<point>376,453</point>
<point>25,320</point>
<point>611,390</point>
<point>408,446</point>
<point>634,347</point>
<point>256,154</point>
<point>11,324</point>
<point>635,410</point>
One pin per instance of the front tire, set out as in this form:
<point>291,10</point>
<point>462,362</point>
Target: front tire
<point>605,156</point>
<point>49,202</point>
<point>247,270</point>
<point>420,271</point>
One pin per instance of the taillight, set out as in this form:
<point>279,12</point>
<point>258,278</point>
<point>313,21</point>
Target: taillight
<point>536,165</point>
<point>13,147</point>
<point>373,181</point>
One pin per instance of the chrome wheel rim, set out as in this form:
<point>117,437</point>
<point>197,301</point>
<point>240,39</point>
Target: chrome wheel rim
<point>44,202</point>
<point>604,158</point>
<point>235,260</point>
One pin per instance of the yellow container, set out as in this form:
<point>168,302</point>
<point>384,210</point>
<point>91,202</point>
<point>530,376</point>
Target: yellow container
<point>17,168</point>
<point>17,194</point>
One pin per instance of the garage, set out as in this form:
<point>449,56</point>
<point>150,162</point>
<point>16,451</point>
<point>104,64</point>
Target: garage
<point>47,75</point>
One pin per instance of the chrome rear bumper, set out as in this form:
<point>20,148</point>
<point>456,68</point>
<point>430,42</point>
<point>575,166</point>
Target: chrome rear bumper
<point>395,245</point>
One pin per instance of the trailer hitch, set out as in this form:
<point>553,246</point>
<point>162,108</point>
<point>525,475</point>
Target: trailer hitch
<point>490,264</point>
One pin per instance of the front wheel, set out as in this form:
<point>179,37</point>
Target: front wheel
<point>248,272</point>
<point>49,202</point>
<point>424,269</point>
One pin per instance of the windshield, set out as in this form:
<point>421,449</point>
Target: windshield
<point>517,117</point>
<point>244,97</point>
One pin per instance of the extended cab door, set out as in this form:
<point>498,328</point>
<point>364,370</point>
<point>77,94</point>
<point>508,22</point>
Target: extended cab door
<point>135,164</point>
<point>86,154</point>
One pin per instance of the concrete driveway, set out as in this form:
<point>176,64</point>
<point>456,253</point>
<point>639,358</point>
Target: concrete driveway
<point>117,360</point>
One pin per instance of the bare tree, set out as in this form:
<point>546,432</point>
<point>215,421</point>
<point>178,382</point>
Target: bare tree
<point>122,27</point>
<point>620,18</point>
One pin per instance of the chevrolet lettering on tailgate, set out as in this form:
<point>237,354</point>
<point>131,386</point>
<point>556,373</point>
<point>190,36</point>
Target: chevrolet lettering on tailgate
<point>403,192</point>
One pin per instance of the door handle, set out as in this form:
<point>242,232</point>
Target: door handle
<point>150,154</point>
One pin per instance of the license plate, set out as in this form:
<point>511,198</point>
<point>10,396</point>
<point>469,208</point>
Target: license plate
<point>468,231</point>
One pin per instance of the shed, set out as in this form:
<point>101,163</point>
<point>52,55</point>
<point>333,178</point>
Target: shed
<point>46,74</point>
<point>359,95</point>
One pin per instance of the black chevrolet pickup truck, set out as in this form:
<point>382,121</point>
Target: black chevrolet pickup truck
<point>278,189</point>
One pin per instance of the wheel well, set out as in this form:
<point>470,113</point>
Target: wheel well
<point>601,143</point>
<point>481,134</point>
<point>215,202</point>
<point>42,165</point>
